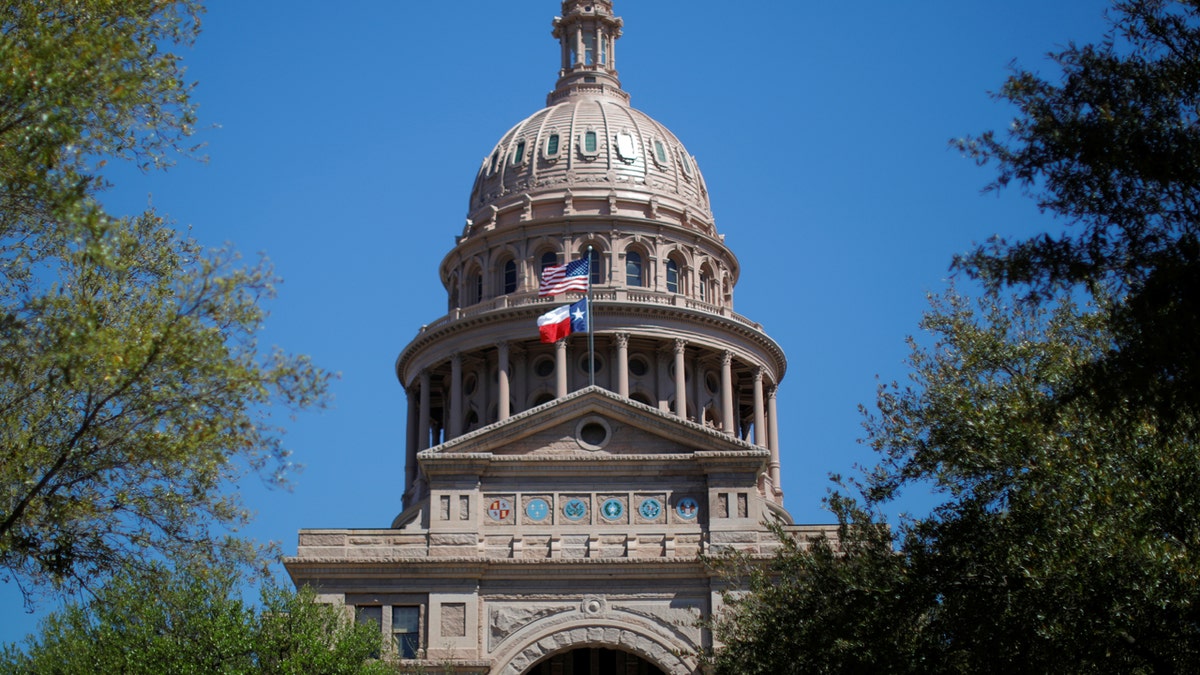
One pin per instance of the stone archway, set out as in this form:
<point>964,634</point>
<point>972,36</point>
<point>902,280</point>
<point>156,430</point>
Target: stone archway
<point>653,652</point>
<point>594,661</point>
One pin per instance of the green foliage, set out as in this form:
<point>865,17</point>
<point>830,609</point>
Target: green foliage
<point>1066,541</point>
<point>1061,440</point>
<point>1113,148</point>
<point>83,82</point>
<point>132,387</point>
<point>192,621</point>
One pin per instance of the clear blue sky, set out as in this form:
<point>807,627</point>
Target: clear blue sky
<point>344,137</point>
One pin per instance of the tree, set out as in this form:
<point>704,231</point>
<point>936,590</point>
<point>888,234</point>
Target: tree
<point>193,621</point>
<point>1113,149</point>
<point>133,388</point>
<point>1066,540</point>
<point>1061,440</point>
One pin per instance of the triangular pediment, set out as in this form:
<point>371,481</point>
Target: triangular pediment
<point>594,423</point>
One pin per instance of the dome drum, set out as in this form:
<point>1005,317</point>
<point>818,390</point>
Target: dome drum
<point>634,254</point>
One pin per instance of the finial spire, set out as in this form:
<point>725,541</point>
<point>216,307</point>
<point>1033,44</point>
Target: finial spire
<point>588,32</point>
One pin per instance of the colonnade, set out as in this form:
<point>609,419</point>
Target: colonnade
<point>510,377</point>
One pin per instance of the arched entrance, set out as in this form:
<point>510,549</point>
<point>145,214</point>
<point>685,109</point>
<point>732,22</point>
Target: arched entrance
<point>594,661</point>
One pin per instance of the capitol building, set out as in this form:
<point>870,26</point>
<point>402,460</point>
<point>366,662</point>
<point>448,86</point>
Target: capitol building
<point>557,499</point>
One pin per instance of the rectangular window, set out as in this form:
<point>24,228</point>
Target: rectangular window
<point>519,154</point>
<point>369,615</point>
<point>406,630</point>
<point>589,142</point>
<point>589,49</point>
<point>552,145</point>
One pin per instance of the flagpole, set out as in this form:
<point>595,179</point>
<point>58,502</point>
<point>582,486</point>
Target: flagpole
<point>591,336</point>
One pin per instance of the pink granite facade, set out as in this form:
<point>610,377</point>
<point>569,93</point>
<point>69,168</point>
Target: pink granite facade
<point>550,525</point>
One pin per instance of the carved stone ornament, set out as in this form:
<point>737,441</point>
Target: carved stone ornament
<point>594,605</point>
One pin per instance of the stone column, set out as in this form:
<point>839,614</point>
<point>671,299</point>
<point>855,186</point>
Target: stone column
<point>423,425</point>
<point>455,425</point>
<point>410,438</point>
<point>560,368</point>
<point>760,431</point>
<point>502,384</point>
<point>623,364</point>
<point>773,417</point>
<point>520,388</point>
<point>680,380</point>
<point>727,421</point>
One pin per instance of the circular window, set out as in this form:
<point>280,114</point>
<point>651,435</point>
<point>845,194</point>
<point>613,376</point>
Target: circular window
<point>711,383</point>
<point>592,433</point>
<point>687,508</point>
<point>638,366</point>
<point>650,508</point>
<point>612,509</point>
<point>544,367</point>
<point>537,509</point>
<point>583,363</point>
<point>575,509</point>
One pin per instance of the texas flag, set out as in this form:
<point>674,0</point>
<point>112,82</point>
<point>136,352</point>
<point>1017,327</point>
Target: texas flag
<point>560,322</point>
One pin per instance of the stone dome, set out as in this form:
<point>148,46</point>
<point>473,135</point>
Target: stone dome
<point>588,141</point>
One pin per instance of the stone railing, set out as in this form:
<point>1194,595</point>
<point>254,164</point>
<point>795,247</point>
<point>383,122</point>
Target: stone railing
<point>639,296</point>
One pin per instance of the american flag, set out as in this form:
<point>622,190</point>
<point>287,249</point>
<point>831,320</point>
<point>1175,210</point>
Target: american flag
<point>572,276</point>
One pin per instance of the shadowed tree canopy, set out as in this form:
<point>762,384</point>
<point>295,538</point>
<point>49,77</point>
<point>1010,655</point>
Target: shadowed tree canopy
<point>1066,538</point>
<point>132,385</point>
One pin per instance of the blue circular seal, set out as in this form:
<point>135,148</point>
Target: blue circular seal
<point>687,508</point>
<point>574,509</point>
<point>612,509</point>
<point>650,508</point>
<point>537,509</point>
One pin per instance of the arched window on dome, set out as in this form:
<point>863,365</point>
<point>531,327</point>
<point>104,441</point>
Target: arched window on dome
<point>508,276</point>
<point>672,276</point>
<point>702,287</point>
<point>595,264</point>
<point>548,258</point>
<point>633,269</point>
<point>474,286</point>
